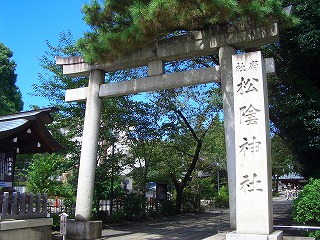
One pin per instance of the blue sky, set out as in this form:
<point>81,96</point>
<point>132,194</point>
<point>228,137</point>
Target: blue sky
<point>24,28</point>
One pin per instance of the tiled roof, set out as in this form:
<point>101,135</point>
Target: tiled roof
<point>11,124</point>
<point>26,132</point>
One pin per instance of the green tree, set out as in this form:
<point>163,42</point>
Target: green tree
<point>120,27</point>
<point>67,126</point>
<point>294,95</point>
<point>283,160</point>
<point>10,95</point>
<point>143,134</point>
<point>306,208</point>
<point>188,114</point>
<point>214,161</point>
<point>209,175</point>
<point>112,151</point>
<point>44,175</point>
<point>214,151</point>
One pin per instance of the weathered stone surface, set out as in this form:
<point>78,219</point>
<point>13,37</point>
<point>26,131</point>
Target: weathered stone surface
<point>35,229</point>
<point>155,68</point>
<point>89,148</point>
<point>252,141</point>
<point>225,59</point>
<point>277,235</point>
<point>77,94</point>
<point>79,230</point>
<point>274,236</point>
<point>164,81</point>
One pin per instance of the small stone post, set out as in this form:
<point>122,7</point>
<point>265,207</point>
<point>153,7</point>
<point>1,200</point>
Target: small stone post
<point>225,62</point>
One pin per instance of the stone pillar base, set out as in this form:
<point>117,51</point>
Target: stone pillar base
<point>78,230</point>
<point>276,235</point>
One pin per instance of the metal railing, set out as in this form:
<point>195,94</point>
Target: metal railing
<point>306,228</point>
<point>23,205</point>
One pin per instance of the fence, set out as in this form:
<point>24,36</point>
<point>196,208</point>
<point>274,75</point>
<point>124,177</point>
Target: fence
<point>130,203</point>
<point>55,206</point>
<point>23,205</point>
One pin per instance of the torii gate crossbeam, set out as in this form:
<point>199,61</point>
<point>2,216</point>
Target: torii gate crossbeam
<point>157,83</point>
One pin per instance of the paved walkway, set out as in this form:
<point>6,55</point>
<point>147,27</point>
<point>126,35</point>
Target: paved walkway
<point>195,226</point>
<point>184,226</point>
<point>282,210</point>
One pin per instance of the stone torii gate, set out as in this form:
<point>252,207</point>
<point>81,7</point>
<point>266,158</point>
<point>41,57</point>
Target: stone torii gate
<point>223,40</point>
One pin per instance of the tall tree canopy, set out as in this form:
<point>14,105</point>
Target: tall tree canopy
<point>294,94</point>
<point>119,27</point>
<point>10,95</point>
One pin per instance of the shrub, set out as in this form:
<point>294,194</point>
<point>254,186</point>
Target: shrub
<point>190,201</point>
<point>167,207</point>
<point>306,208</point>
<point>118,216</point>
<point>70,206</point>
<point>222,198</point>
<point>133,205</point>
<point>56,221</point>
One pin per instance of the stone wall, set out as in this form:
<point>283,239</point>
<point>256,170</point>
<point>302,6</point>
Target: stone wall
<point>32,229</point>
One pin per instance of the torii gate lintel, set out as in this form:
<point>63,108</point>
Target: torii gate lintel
<point>194,44</point>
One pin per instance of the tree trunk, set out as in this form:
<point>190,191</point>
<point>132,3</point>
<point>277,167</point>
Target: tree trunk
<point>179,191</point>
<point>276,184</point>
<point>180,186</point>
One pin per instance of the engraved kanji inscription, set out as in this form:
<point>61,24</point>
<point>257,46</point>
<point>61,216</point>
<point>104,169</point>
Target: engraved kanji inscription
<point>240,67</point>
<point>249,146</point>
<point>247,85</point>
<point>248,115</point>
<point>253,65</point>
<point>251,184</point>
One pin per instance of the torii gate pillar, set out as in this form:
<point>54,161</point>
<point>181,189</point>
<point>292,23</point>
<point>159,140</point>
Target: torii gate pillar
<point>225,62</point>
<point>82,227</point>
<point>88,157</point>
